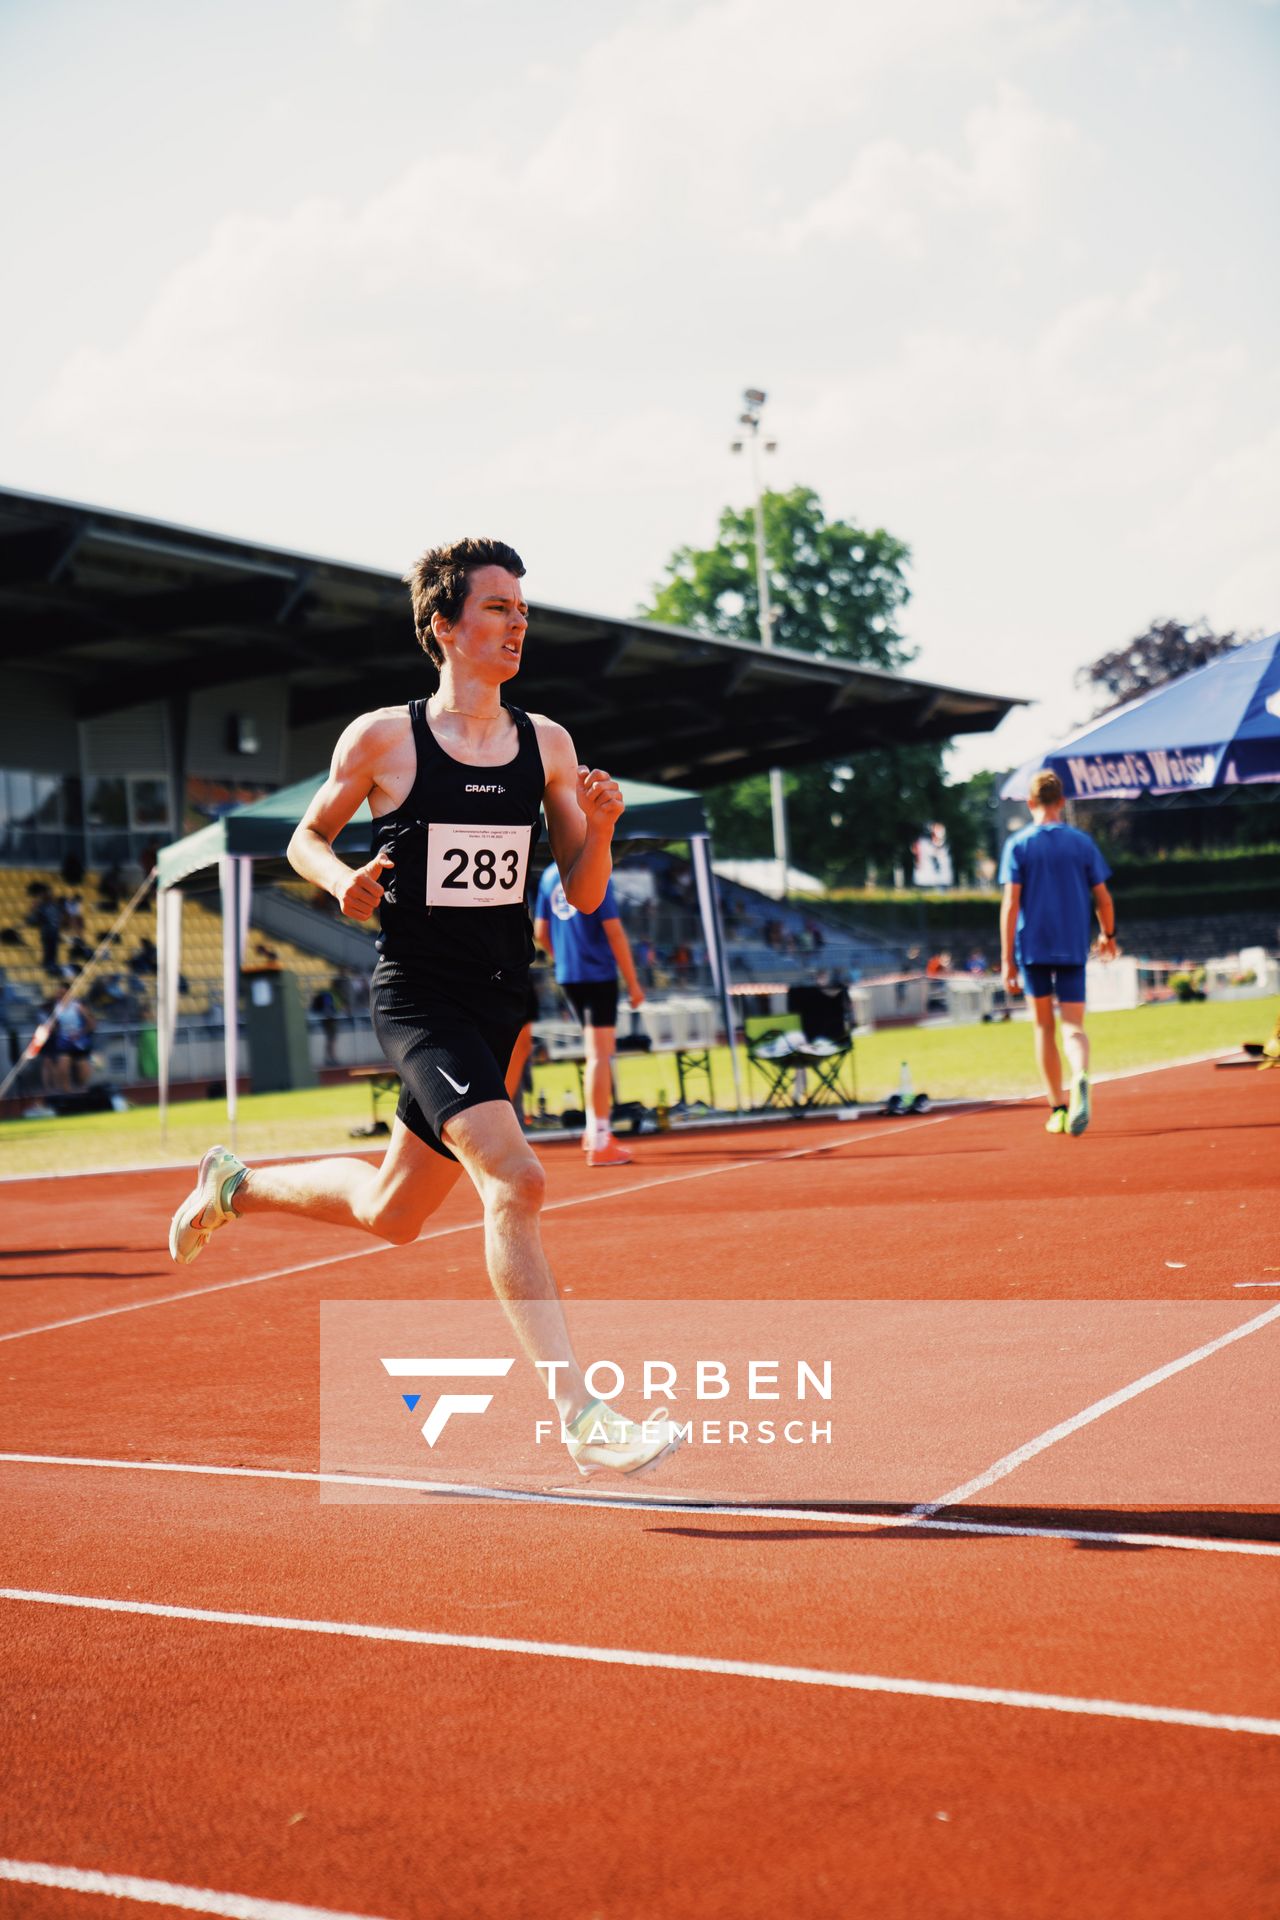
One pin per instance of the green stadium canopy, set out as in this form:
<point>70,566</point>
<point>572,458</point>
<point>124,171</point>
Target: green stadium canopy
<point>261,829</point>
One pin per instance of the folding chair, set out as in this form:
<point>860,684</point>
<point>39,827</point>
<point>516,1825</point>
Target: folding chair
<point>822,1048</point>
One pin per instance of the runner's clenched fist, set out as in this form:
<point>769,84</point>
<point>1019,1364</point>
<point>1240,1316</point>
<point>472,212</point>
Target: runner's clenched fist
<point>363,889</point>
<point>599,796</point>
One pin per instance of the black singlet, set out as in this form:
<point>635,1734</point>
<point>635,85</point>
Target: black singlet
<point>455,906</point>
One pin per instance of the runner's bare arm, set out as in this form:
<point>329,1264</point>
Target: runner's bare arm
<point>1008,928</point>
<point>353,775</point>
<point>582,805</point>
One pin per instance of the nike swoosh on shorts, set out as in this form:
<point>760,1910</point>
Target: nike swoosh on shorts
<point>453,1083</point>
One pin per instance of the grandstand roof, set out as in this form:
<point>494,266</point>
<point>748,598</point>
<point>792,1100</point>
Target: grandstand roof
<point>124,610</point>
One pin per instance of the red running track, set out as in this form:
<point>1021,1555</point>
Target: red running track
<point>946,1740</point>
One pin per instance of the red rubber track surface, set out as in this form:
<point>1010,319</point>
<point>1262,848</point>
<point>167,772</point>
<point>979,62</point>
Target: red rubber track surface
<point>408,1780</point>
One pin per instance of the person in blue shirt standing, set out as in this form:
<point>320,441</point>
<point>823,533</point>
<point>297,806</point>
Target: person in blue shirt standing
<point>1055,880</point>
<point>590,950</point>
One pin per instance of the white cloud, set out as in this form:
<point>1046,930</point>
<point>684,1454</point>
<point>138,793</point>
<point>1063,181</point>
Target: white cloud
<point>1011,153</point>
<point>974,288</point>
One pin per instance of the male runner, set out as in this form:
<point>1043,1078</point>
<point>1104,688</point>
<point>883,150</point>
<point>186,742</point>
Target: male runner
<point>589,950</point>
<point>455,784</point>
<point>1054,880</point>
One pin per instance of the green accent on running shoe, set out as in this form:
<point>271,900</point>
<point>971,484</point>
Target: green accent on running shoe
<point>1057,1121</point>
<point>228,1189</point>
<point>1078,1113</point>
<point>580,1420</point>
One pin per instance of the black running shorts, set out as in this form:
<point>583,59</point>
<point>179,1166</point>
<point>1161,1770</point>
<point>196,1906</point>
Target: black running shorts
<point>450,1050</point>
<point>594,1001</point>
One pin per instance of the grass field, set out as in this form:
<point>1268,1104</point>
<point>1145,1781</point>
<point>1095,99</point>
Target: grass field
<point>946,1062</point>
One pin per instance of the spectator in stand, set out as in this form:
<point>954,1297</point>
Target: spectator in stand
<point>144,957</point>
<point>46,918</point>
<point>10,1019</point>
<point>75,1028</point>
<point>977,962</point>
<point>110,882</point>
<point>73,869</point>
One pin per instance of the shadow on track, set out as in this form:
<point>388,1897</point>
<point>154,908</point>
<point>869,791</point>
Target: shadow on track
<point>1251,1524</point>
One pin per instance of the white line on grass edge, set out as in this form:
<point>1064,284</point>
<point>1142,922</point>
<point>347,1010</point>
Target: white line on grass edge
<point>673,1663</point>
<point>163,1893</point>
<point>471,1226</point>
<point>977,1104</point>
<point>657,1504</point>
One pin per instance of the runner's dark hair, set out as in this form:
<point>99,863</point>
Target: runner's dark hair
<point>438,583</point>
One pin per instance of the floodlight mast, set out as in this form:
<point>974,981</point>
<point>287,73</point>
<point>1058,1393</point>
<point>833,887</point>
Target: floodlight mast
<point>749,419</point>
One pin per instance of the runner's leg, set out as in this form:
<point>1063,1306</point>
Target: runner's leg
<point>390,1200</point>
<point>1048,1059</point>
<point>599,1077</point>
<point>1075,1041</point>
<point>509,1179</point>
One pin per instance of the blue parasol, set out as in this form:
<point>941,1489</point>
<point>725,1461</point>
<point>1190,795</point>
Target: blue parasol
<point>1216,727</point>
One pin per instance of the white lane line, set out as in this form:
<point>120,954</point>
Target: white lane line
<point>759,1114</point>
<point>163,1893</point>
<point>1065,1428</point>
<point>657,1504</point>
<point>472,1226</point>
<point>1258,1283</point>
<point>674,1663</point>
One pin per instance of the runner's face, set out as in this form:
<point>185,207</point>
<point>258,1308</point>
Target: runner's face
<point>489,634</point>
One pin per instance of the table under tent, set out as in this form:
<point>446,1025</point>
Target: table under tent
<point>255,837</point>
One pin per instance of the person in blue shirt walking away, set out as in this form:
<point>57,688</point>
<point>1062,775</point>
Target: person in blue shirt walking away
<point>590,950</point>
<point>1055,880</point>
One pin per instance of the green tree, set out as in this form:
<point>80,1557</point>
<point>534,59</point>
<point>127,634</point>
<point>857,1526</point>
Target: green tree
<point>834,588</point>
<point>837,589</point>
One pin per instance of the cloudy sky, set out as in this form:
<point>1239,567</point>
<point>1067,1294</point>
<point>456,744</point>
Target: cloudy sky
<point>353,276</point>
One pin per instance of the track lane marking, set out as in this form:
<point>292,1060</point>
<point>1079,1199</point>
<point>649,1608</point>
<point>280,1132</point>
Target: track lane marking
<point>979,1103</point>
<point>473,1226</point>
<point>164,1893</point>
<point>673,1663</point>
<point>657,1504</point>
<point>1065,1428</point>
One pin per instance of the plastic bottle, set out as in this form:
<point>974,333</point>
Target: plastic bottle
<point>662,1113</point>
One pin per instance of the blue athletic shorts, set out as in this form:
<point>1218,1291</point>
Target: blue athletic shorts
<point>1065,984</point>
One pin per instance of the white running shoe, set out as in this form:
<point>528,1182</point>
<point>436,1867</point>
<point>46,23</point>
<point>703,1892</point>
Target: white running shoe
<point>205,1208</point>
<point>601,1439</point>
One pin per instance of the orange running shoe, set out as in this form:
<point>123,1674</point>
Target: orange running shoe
<point>609,1155</point>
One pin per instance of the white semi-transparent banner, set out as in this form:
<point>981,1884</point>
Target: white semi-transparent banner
<point>1071,1406</point>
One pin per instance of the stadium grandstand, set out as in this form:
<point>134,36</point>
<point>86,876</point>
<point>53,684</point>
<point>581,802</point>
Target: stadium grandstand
<point>157,676</point>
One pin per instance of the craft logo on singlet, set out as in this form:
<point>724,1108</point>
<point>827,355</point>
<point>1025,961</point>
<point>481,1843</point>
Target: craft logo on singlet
<point>493,787</point>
